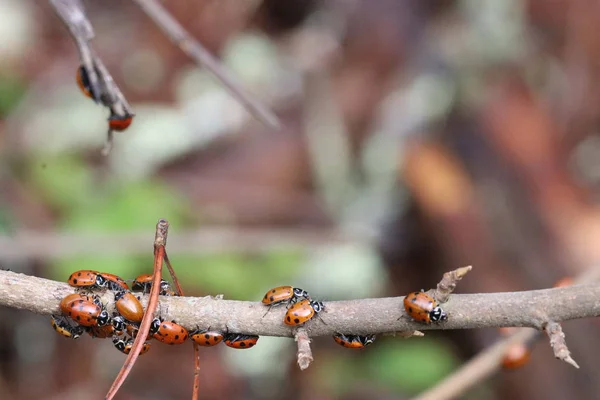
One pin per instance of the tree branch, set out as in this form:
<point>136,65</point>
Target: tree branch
<point>367,316</point>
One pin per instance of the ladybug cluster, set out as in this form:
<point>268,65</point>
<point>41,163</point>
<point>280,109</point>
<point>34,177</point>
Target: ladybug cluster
<point>86,313</point>
<point>301,309</point>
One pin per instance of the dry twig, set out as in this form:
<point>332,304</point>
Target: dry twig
<point>200,55</point>
<point>365,316</point>
<point>558,343</point>
<point>489,360</point>
<point>304,352</point>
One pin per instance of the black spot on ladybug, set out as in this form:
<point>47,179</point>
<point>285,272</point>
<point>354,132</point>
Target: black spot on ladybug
<point>206,335</point>
<point>242,344</point>
<point>207,343</point>
<point>296,320</point>
<point>250,344</point>
<point>271,298</point>
<point>289,319</point>
<point>410,310</point>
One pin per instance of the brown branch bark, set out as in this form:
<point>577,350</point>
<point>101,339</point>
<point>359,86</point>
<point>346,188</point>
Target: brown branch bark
<point>366,316</point>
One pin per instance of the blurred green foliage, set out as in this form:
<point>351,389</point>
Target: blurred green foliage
<point>12,89</point>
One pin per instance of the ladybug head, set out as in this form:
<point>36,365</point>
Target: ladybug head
<point>154,326</point>
<point>101,281</point>
<point>301,293</point>
<point>437,314</point>
<point>165,287</point>
<point>318,306</point>
<point>103,318</point>
<point>118,343</point>
<point>367,340</point>
<point>118,323</point>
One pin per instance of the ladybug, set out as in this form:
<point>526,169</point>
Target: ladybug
<point>87,279</point>
<point>62,327</point>
<point>239,341</point>
<point>119,123</point>
<point>114,282</point>
<point>302,312</point>
<point>564,282</point>
<point>353,341</point>
<point>83,81</point>
<point>168,332</point>
<point>129,306</point>
<point>423,308</point>
<point>119,323</point>
<point>126,346</point>
<point>143,283</point>
<point>516,356</point>
<point>206,338</point>
<point>284,294</point>
<point>102,332</point>
<point>84,311</point>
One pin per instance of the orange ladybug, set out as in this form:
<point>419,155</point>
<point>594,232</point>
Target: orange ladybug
<point>353,341</point>
<point>302,311</point>
<point>102,332</point>
<point>143,283</point>
<point>423,308</point>
<point>87,279</point>
<point>284,294</point>
<point>168,332</point>
<point>126,346</point>
<point>83,311</point>
<point>206,338</point>
<point>114,282</point>
<point>238,341</point>
<point>119,123</point>
<point>564,282</point>
<point>516,356</point>
<point>129,306</point>
<point>62,327</point>
<point>83,81</point>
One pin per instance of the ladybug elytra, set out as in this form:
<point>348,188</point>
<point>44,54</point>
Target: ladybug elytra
<point>114,282</point>
<point>87,279</point>
<point>129,306</point>
<point>284,294</point>
<point>84,311</point>
<point>238,341</point>
<point>119,123</point>
<point>168,332</point>
<point>302,312</point>
<point>206,338</point>
<point>423,308</point>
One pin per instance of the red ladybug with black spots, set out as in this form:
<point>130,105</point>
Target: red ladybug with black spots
<point>239,341</point>
<point>206,338</point>
<point>423,308</point>
<point>168,332</point>
<point>302,312</point>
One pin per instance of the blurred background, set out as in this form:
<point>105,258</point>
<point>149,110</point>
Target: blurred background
<point>419,136</point>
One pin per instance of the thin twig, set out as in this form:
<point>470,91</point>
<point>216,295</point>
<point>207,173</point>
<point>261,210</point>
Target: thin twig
<point>160,240</point>
<point>558,343</point>
<point>478,368</point>
<point>366,316</point>
<point>304,352</point>
<point>448,283</point>
<point>488,361</point>
<point>200,55</point>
